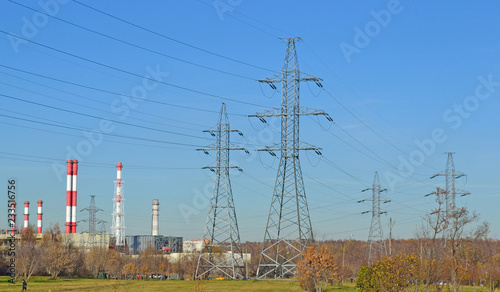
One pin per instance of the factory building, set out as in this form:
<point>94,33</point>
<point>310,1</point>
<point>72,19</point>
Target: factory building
<point>194,245</point>
<point>79,240</point>
<point>168,244</point>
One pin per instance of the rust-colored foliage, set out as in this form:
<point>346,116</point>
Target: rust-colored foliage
<point>129,269</point>
<point>316,267</point>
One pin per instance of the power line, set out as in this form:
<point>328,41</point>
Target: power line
<point>130,73</point>
<point>370,128</point>
<point>94,131</point>
<point>101,164</point>
<point>85,106</point>
<point>79,136</point>
<point>100,118</point>
<point>249,24</point>
<point>350,89</point>
<point>134,45</point>
<point>170,38</point>
<point>94,100</point>
<point>112,92</point>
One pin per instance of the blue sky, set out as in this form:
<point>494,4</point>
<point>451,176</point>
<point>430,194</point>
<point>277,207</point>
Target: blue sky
<point>414,72</point>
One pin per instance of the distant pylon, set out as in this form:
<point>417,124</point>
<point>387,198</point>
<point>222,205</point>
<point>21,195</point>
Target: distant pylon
<point>102,232</point>
<point>221,253</point>
<point>288,229</point>
<point>451,191</point>
<point>376,242</point>
<point>93,221</point>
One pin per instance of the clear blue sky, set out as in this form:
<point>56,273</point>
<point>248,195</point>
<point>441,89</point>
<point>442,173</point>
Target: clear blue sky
<point>394,72</point>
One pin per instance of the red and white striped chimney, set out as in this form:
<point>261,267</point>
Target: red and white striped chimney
<point>73,197</point>
<point>13,217</point>
<point>39,221</point>
<point>69,181</point>
<point>26,215</point>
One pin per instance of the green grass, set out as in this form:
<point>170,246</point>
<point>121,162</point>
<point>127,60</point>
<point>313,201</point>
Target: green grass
<point>47,284</point>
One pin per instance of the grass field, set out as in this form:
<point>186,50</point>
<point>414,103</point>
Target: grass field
<point>46,284</point>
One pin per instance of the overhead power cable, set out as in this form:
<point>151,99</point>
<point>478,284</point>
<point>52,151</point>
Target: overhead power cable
<point>370,128</point>
<point>130,73</point>
<point>94,131</point>
<point>353,92</point>
<point>112,92</point>
<point>89,107</point>
<point>80,136</point>
<point>134,45</point>
<point>170,38</point>
<point>110,165</point>
<point>101,118</point>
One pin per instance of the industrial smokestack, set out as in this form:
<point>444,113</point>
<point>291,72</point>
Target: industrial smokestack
<point>26,215</point>
<point>39,221</point>
<point>69,180</point>
<point>156,217</point>
<point>118,226</point>
<point>73,197</point>
<point>13,217</point>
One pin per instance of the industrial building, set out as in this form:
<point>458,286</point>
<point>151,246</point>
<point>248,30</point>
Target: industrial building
<point>167,244</point>
<point>132,244</point>
<point>79,240</point>
<point>195,245</point>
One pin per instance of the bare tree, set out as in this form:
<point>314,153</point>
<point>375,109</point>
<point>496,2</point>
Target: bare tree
<point>28,255</point>
<point>114,263</point>
<point>430,236</point>
<point>56,252</point>
<point>95,260</point>
<point>458,222</point>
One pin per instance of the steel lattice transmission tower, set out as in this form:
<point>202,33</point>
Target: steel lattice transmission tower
<point>221,253</point>
<point>93,221</point>
<point>451,192</point>
<point>102,233</point>
<point>288,229</point>
<point>376,242</point>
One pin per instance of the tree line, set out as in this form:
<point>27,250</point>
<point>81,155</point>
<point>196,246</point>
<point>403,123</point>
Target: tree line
<point>450,247</point>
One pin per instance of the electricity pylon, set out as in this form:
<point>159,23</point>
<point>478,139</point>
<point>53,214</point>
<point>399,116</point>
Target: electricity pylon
<point>93,221</point>
<point>376,242</point>
<point>288,229</point>
<point>221,253</point>
<point>451,191</point>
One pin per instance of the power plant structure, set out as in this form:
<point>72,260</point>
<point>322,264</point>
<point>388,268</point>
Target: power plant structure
<point>167,244</point>
<point>155,217</point>
<point>26,215</point>
<point>72,172</point>
<point>289,230</point>
<point>118,225</point>
<point>39,219</point>
<point>376,242</point>
<point>96,236</point>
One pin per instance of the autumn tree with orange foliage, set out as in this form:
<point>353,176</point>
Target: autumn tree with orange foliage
<point>316,267</point>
